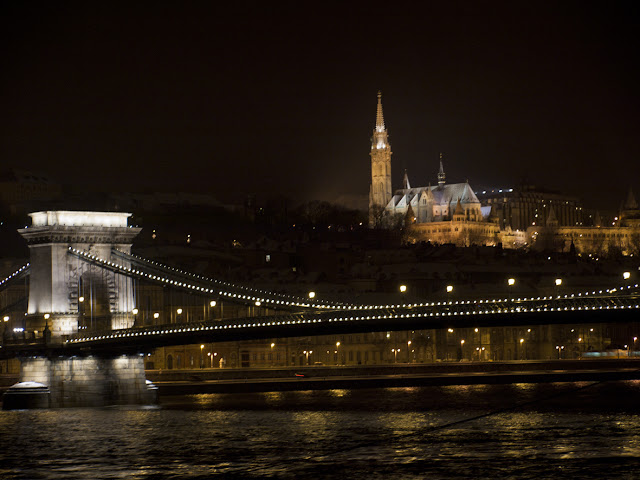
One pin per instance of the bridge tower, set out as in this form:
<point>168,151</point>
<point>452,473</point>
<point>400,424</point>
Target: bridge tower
<point>58,282</point>
<point>71,292</point>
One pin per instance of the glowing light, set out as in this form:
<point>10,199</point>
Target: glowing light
<point>403,288</point>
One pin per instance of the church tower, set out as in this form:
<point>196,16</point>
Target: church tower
<point>380,189</point>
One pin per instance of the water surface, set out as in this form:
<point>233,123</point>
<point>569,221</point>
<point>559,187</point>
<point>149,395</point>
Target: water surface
<point>561,430</point>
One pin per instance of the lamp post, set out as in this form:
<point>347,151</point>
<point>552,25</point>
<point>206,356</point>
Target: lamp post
<point>201,357</point>
<point>337,353</point>
<point>461,349</point>
<point>408,351</point>
<point>395,354</point>
<point>522,352</point>
<point>558,283</point>
<point>559,348</point>
<point>307,353</point>
<point>510,282</point>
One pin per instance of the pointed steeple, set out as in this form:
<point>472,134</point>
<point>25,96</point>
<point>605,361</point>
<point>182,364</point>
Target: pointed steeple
<point>441,176</point>
<point>379,116</point>
<point>380,139</point>
<point>380,154</point>
<point>405,181</point>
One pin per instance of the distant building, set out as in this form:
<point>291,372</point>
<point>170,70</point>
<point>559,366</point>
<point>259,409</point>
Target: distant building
<point>443,213</point>
<point>525,206</point>
<point>621,237</point>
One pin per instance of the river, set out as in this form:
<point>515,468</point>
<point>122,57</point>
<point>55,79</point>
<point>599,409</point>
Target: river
<point>558,430</point>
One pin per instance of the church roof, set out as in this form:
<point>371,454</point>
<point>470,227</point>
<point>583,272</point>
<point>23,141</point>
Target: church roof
<point>442,194</point>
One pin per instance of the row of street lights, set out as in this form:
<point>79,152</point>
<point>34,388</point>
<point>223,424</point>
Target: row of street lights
<point>510,282</point>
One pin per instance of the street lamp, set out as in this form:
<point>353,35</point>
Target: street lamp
<point>626,275</point>
<point>449,288</point>
<point>395,354</point>
<point>408,351</point>
<point>201,358</point>
<point>461,349</point>
<point>511,282</point>
<point>312,295</point>
<point>307,353</point>
<point>558,283</point>
<point>522,352</point>
<point>6,318</point>
<point>559,348</point>
<point>337,353</point>
<point>403,288</point>
<point>212,303</point>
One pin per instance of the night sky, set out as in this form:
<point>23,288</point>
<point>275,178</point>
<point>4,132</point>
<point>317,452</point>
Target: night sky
<point>281,99</point>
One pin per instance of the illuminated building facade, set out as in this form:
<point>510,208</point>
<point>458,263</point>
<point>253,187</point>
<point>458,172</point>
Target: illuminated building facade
<point>443,213</point>
<point>621,237</point>
<point>525,206</point>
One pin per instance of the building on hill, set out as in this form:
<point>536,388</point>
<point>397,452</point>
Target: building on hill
<point>526,205</point>
<point>621,237</point>
<point>442,213</point>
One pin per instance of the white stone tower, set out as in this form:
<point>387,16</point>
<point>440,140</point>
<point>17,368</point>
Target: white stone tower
<point>64,290</point>
<point>380,190</point>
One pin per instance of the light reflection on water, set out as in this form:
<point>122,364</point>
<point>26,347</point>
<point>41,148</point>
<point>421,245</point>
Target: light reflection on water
<point>586,430</point>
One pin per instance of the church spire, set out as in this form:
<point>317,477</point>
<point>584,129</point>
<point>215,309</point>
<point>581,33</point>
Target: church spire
<point>380,190</point>
<point>379,116</point>
<point>405,181</point>
<point>441,173</point>
<point>380,140</point>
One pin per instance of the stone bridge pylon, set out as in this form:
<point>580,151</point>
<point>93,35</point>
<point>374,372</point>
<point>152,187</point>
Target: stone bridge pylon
<point>66,294</point>
<point>68,291</point>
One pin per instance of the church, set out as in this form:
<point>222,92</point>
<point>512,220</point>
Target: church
<point>442,213</point>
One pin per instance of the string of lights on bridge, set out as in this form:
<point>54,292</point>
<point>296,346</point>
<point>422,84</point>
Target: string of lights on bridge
<point>14,274</point>
<point>336,306</point>
<point>257,300</point>
<point>386,315</point>
<point>153,263</point>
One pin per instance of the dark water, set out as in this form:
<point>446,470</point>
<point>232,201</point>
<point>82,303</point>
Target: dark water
<point>563,430</point>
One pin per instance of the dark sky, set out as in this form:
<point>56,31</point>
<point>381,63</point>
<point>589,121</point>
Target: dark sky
<point>267,99</point>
